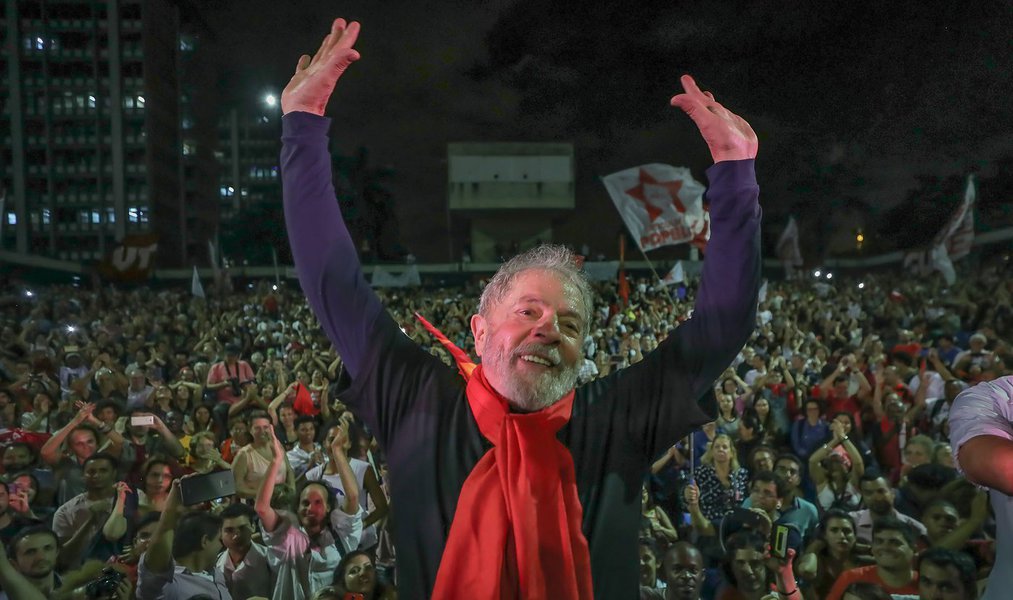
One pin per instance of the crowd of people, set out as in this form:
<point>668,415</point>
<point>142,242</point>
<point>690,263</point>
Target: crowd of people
<point>831,435</point>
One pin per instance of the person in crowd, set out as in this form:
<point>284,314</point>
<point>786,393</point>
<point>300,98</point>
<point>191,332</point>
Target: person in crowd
<point>144,529</point>
<point>244,563</point>
<point>306,547</point>
<point>147,438</point>
<point>529,335</point>
<point>139,391</point>
<point>834,549</point>
<point>228,378</point>
<point>204,455</point>
<point>307,453</point>
<point>761,458</point>
<point>728,415</point>
<point>720,478</point>
<point>922,485</point>
<point>944,526</point>
<point>28,569</point>
<point>794,510</point>
<point>649,582</point>
<point>893,549</point>
<point>156,477</point>
<point>91,524</point>
<point>878,497</point>
<point>252,462</point>
<point>682,568</point>
<point>180,561</point>
<point>355,574</point>
<point>239,437</point>
<point>946,575</point>
<point>656,523</point>
<point>836,474</point>
<point>808,433</point>
<point>339,446</point>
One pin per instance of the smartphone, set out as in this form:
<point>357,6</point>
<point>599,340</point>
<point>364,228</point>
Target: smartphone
<point>142,420</point>
<point>198,489</point>
<point>780,546</point>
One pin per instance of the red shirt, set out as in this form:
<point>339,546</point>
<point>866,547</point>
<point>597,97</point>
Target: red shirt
<point>869,574</point>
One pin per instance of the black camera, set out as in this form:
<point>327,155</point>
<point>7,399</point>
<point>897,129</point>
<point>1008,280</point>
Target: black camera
<point>105,586</point>
<point>234,384</point>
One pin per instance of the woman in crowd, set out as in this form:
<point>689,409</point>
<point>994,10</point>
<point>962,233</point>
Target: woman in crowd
<point>251,462</point>
<point>728,417</point>
<point>356,574</point>
<point>156,478</point>
<point>808,433</point>
<point>722,482</point>
<point>204,456</point>
<point>658,526</point>
<point>834,550</point>
<point>836,468</point>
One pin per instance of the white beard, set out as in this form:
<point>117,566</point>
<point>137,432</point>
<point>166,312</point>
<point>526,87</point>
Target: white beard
<point>520,391</point>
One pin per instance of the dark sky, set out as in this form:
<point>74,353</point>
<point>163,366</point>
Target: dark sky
<point>856,103</point>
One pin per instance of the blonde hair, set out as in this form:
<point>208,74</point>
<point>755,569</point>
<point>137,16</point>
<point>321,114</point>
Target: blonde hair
<point>708,456</point>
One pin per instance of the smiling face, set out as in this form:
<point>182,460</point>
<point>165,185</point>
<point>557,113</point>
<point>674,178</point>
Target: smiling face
<point>313,508</point>
<point>891,549</point>
<point>530,340</point>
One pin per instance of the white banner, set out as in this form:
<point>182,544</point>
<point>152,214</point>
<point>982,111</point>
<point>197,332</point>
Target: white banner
<point>660,204</point>
<point>408,278</point>
<point>676,275</point>
<point>953,241</point>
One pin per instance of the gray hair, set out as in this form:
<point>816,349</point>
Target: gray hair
<point>546,257</point>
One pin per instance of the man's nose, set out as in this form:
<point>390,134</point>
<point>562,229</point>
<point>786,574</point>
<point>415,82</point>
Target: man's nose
<point>548,326</point>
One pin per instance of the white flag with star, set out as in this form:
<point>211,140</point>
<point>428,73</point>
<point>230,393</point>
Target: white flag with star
<point>661,205</point>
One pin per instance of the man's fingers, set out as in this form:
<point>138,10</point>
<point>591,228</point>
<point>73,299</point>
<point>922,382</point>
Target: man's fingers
<point>349,35</point>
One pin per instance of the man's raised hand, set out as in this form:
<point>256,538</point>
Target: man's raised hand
<point>313,82</point>
<point>728,135</point>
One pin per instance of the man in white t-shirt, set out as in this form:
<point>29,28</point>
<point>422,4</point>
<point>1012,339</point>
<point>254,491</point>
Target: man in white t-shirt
<point>981,434</point>
<point>305,548</point>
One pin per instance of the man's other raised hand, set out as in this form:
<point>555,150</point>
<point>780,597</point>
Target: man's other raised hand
<point>728,135</point>
<point>313,82</point>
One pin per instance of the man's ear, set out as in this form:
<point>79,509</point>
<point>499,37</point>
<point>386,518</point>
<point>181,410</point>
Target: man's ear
<point>479,329</point>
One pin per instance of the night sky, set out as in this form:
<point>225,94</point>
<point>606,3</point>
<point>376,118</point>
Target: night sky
<point>860,106</point>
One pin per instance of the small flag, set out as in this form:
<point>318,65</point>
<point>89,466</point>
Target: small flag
<point>195,285</point>
<point>676,275</point>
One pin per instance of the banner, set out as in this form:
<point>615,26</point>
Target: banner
<point>953,241</point>
<point>408,278</point>
<point>676,275</point>
<point>788,251</point>
<point>661,205</point>
<point>132,260</point>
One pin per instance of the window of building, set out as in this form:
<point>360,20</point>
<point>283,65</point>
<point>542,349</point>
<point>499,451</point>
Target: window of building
<point>12,218</point>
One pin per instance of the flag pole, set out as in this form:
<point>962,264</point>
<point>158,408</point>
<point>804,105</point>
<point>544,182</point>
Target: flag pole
<point>650,264</point>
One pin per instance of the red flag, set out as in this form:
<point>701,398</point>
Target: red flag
<point>303,404</point>
<point>464,362</point>
<point>624,286</point>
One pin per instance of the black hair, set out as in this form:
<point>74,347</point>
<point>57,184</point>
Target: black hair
<point>895,524</point>
<point>26,446</point>
<point>237,510</point>
<point>791,457</point>
<point>12,545</point>
<point>191,530</point>
<point>757,450</point>
<point>741,540</point>
<point>102,456</point>
<point>339,573</point>
<point>834,513</point>
<point>305,419</point>
<point>944,557</point>
<point>769,477</point>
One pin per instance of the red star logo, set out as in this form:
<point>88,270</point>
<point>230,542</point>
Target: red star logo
<point>638,192</point>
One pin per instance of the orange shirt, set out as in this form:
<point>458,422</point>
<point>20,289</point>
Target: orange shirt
<point>869,574</point>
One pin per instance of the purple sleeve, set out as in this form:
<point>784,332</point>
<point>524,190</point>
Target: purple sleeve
<point>724,315</point>
<point>325,258</point>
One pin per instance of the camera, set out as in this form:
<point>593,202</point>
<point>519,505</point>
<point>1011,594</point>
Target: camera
<point>234,384</point>
<point>105,586</point>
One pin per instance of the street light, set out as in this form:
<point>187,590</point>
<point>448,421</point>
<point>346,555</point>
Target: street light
<point>270,100</point>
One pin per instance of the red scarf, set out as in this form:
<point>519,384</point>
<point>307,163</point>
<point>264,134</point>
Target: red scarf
<point>516,532</point>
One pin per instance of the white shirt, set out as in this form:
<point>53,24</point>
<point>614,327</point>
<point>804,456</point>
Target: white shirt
<point>299,459</point>
<point>251,577</point>
<point>370,537</point>
<point>987,409</point>
<point>864,519</point>
<point>178,583</point>
<point>301,565</point>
